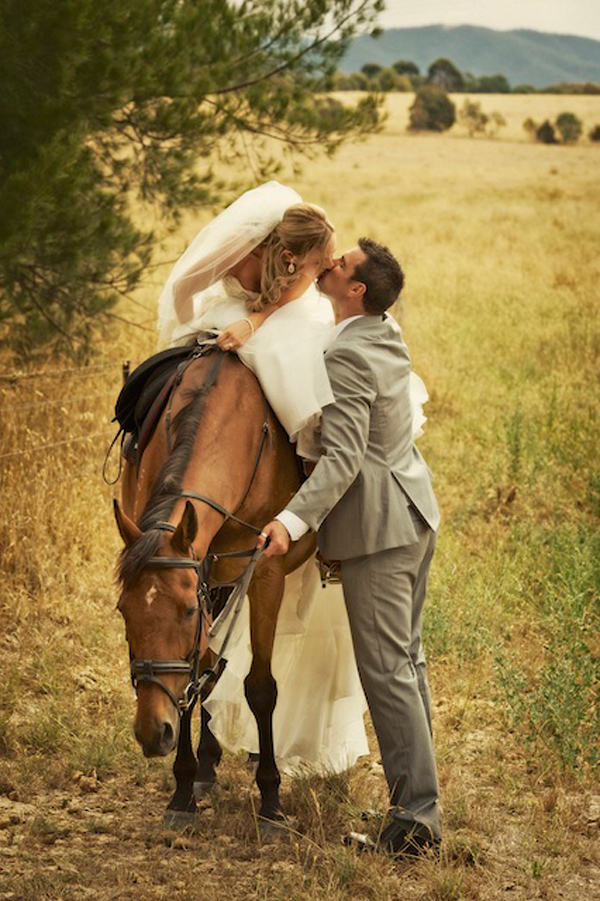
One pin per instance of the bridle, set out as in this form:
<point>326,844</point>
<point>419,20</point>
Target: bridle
<point>144,670</point>
<point>148,670</point>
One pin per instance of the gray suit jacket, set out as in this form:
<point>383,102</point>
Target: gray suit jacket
<point>358,493</point>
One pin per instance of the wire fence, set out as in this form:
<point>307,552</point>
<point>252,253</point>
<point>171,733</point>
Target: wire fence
<point>58,402</point>
<point>94,407</point>
<point>82,373</point>
<point>53,444</point>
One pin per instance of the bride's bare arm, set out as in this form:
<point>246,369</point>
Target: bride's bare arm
<point>236,334</point>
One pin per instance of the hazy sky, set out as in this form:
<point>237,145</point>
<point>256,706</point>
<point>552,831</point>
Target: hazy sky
<point>581,17</point>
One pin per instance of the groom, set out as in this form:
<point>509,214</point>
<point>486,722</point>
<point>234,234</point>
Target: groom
<point>370,498</point>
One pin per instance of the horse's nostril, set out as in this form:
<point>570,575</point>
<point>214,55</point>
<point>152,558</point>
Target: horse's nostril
<point>167,736</point>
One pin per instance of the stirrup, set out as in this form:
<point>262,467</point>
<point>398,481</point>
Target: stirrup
<point>330,571</point>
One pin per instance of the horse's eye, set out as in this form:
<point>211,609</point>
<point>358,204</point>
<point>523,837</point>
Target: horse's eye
<point>190,612</point>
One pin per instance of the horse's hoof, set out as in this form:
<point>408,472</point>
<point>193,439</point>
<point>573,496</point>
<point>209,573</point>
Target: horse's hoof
<point>271,829</point>
<point>179,819</point>
<point>203,789</point>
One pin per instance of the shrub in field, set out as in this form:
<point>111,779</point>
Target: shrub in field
<point>473,118</point>
<point>432,110</point>
<point>570,127</point>
<point>404,83</point>
<point>495,123</point>
<point>408,73</point>
<point>567,125</point>
<point>545,133</point>
<point>594,134</point>
<point>388,80</point>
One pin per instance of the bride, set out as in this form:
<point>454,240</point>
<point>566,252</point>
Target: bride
<point>239,277</point>
<point>249,276</point>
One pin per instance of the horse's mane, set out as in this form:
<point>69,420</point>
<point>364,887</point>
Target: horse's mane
<point>162,498</point>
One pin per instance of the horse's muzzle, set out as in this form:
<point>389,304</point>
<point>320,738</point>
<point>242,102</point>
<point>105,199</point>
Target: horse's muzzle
<point>157,737</point>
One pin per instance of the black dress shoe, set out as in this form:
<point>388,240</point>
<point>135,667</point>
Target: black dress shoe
<point>395,841</point>
<point>410,840</point>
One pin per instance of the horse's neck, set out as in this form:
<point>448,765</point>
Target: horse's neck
<point>229,448</point>
<point>232,460</point>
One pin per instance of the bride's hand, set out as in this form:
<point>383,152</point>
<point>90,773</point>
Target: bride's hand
<point>235,335</point>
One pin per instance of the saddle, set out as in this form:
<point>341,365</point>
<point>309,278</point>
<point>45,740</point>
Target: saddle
<point>144,396</point>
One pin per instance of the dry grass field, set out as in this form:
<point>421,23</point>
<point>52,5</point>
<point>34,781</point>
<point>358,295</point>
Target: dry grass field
<point>499,239</point>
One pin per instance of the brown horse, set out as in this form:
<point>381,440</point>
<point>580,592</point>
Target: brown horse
<point>225,453</point>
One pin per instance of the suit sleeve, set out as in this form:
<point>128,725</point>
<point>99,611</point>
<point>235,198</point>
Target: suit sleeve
<point>344,436</point>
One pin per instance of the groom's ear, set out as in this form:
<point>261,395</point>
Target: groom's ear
<point>358,289</point>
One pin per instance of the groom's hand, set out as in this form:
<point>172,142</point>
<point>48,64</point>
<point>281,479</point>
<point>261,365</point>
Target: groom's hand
<point>279,539</point>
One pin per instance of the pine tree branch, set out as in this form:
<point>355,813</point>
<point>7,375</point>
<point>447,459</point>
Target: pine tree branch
<point>290,63</point>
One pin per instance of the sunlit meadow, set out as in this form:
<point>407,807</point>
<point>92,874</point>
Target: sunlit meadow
<point>499,240</point>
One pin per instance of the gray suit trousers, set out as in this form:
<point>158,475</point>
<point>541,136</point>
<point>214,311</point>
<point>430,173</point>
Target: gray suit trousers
<point>384,594</point>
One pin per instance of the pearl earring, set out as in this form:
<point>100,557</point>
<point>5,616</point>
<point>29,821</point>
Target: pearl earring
<point>291,268</point>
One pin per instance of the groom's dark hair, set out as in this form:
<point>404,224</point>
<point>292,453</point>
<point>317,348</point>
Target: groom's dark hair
<point>381,274</point>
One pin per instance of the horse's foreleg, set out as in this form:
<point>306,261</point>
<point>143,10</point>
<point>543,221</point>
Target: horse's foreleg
<point>209,755</point>
<point>182,806</point>
<point>261,691</point>
<point>261,694</point>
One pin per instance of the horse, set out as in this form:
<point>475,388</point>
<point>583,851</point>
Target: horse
<point>217,467</point>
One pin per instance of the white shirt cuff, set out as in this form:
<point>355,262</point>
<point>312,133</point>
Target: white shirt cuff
<point>295,526</point>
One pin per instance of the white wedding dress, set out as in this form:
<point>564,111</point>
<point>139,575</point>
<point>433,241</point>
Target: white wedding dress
<point>285,353</point>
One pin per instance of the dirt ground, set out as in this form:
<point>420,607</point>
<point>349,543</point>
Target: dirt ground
<point>91,839</point>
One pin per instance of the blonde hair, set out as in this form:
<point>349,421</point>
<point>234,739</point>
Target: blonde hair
<point>303,228</point>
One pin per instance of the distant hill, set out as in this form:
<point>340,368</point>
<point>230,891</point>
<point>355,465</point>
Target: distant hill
<point>524,57</point>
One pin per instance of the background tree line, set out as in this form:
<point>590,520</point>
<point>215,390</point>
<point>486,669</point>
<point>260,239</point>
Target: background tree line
<point>433,109</point>
<point>404,75</point>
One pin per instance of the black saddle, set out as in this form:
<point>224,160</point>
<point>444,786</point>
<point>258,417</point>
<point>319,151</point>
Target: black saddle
<point>145,384</point>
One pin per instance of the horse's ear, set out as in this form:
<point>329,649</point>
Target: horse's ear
<point>127,528</point>
<point>185,533</point>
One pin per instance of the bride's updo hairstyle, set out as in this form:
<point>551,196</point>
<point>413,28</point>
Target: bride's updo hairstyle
<point>303,228</point>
